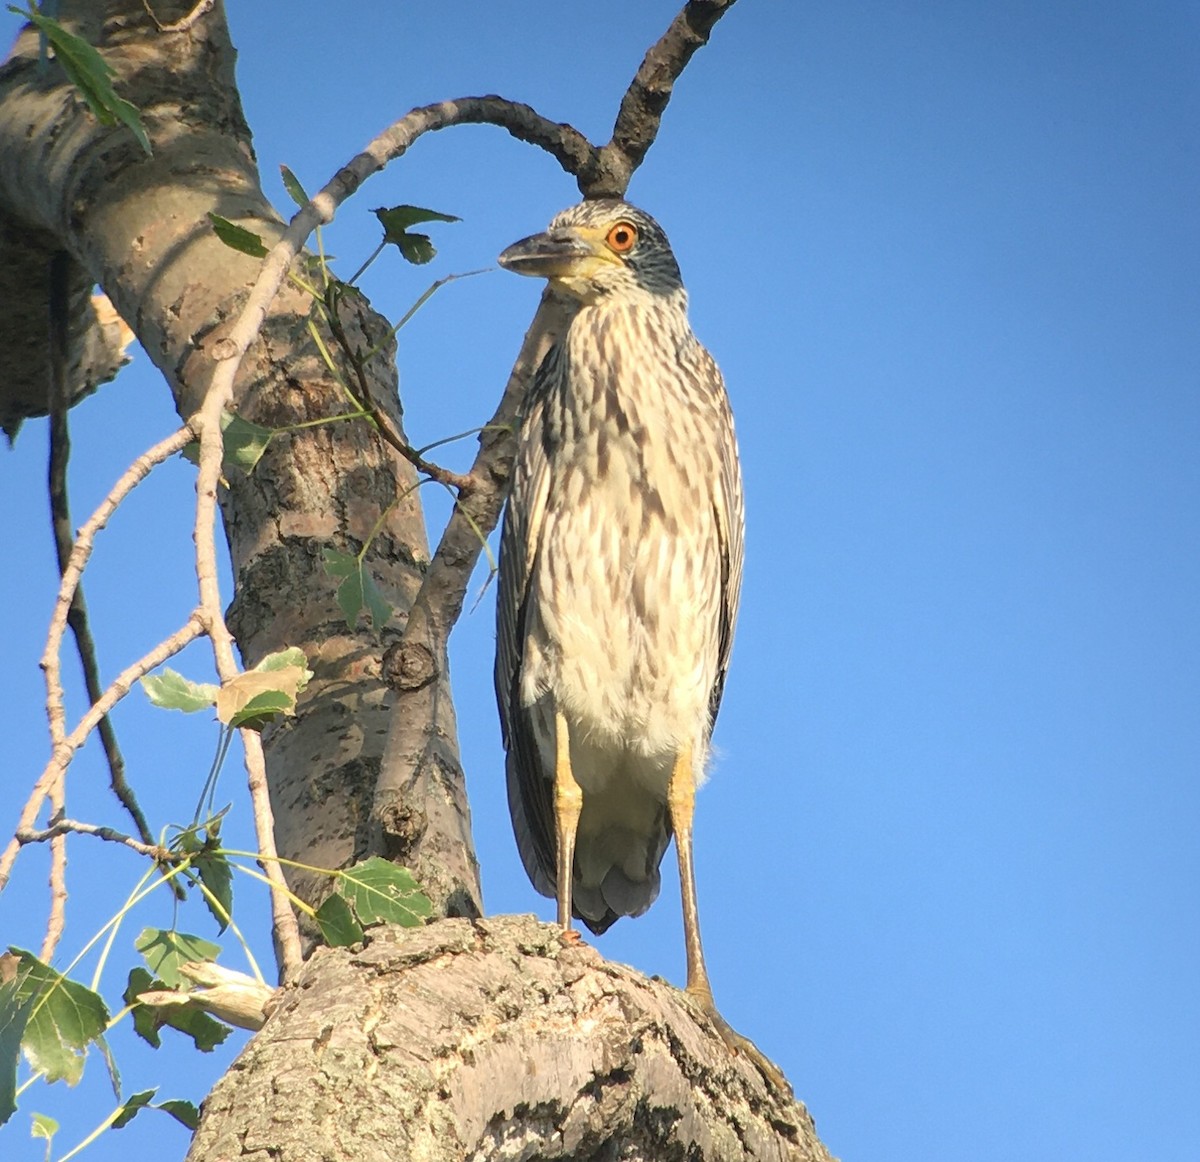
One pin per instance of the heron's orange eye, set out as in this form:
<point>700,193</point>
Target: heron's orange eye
<point>622,237</point>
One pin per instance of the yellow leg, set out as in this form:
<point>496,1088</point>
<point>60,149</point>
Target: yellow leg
<point>568,805</point>
<point>681,802</point>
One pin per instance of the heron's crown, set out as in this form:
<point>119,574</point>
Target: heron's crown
<point>598,247</point>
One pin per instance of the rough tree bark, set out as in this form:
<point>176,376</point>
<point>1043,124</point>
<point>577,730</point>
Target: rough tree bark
<point>491,1039</point>
<point>471,1038</point>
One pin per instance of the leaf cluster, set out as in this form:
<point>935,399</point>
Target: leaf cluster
<point>251,699</point>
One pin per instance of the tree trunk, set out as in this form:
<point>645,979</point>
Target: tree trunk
<point>492,1039</point>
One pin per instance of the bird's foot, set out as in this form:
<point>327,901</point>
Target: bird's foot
<point>570,938</point>
<point>739,1045</point>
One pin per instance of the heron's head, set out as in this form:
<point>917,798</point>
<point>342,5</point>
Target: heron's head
<point>598,248</point>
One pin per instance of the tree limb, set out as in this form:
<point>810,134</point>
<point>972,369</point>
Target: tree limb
<point>62,827</point>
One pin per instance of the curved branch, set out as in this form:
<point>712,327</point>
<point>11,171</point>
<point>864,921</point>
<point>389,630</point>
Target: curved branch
<point>572,150</point>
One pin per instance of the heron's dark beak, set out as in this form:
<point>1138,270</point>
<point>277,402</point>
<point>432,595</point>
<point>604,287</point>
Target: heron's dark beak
<point>554,254</point>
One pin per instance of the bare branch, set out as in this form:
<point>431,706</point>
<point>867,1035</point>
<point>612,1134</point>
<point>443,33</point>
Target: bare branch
<point>401,806</point>
<point>65,751</point>
<point>285,928</point>
<point>63,827</point>
<point>646,99</point>
<point>58,875</point>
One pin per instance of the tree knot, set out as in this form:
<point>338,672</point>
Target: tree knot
<point>409,666</point>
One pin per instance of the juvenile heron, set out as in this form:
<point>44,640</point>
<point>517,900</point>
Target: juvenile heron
<point>620,566</point>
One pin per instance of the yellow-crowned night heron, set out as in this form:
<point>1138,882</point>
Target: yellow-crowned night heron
<point>620,566</point>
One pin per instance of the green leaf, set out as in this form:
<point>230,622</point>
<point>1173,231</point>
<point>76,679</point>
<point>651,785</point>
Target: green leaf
<point>337,923</point>
<point>350,597</point>
<point>182,1111</point>
<point>164,951</point>
<point>217,876</point>
<point>358,588</point>
<point>44,1126</point>
<point>237,237</point>
<point>244,442</point>
<point>110,1063</point>
<point>416,248</point>
<point>380,609</point>
<point>130,1107</point>
<point>205,1030</point>
<point>14,1017</point>
<point>293,656</point>
<point>262,709</point>
<point>350,591</point>
<point>173,691</point>
<point>395,220</point>
<point>91,74</point>
<point>381,892</point>
<point>145,1018</point>
<point>64,1019</point>
<point>339,564</point>
<point>255,697</point>
<point>292,184</point>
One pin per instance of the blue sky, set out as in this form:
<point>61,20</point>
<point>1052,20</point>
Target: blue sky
<point>947,256</point>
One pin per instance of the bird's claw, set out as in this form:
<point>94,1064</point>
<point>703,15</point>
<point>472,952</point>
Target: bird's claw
<point>741,1046</point>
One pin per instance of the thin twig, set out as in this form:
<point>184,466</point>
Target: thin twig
<point>63,827</point>
<point>459,481</point>
<point>384,422</point>
<point>65,751</point>
<point>60,519</point>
